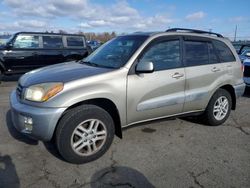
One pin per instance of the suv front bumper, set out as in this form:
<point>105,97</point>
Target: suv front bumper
<point>35,122</point>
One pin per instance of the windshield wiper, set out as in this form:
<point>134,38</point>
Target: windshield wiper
<point>96,65</point>
<point>89,63</point>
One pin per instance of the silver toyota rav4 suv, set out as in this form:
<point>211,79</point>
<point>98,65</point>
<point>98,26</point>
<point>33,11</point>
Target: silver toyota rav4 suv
<point>131,79</point>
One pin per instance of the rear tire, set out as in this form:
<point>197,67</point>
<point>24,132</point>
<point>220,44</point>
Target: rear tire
<point>218,109</point>
<point>84,134</point>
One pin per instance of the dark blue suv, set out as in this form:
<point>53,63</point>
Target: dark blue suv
<point>244,54</point>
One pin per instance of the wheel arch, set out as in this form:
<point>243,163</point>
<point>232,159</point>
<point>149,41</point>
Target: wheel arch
<point>230,89</point>
<point>104,103</point>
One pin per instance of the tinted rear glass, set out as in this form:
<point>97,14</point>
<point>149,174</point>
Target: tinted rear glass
<point>75,41</point>
<point>213,59</point>
<point>52,42</point>
<point>224,52</point>
<point>196,53</point>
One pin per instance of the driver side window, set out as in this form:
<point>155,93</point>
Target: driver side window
<point>164,55</point>
<point>26,41</point>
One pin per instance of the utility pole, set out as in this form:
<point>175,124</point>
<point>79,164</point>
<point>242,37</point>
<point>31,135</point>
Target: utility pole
<point>235,33</point>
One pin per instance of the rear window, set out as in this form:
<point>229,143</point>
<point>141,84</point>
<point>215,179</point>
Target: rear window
<point>52,42</point>
<point>75,41</point>
<point>225,54</point>
<point>213,59</point>
<point>196,53</point>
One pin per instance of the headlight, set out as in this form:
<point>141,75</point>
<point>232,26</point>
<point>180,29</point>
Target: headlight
<point>43,92</point>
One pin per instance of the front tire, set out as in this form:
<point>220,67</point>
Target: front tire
<point>219,108</point>
<point>84,134</point>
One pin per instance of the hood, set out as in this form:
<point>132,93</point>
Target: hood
<point>63,72</point>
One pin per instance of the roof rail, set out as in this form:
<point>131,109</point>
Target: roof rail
<point>194,31</point>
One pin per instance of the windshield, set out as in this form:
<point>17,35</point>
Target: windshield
<point>10,38</point>
<point>246,50</point>
<point>116,52</point>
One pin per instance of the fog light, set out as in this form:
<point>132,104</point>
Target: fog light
<point>28,124</point>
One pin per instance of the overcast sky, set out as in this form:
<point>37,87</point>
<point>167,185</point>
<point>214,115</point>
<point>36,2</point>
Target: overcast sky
<point>125,15</point>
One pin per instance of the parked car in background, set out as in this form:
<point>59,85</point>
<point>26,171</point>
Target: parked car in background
<point>131,79</point>
<point>94,44</point>
<point>246,64</point>
<point>243,51</point>
<point>26,51</point>
<point>244,54</point>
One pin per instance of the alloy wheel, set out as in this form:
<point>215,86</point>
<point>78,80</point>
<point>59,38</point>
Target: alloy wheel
<point>88,137</point>
<point>221,106</point>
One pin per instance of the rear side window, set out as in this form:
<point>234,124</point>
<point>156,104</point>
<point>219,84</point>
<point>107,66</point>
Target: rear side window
<point>196,53</point>
<point>52,42</point>
<point>213,59</point>
<point>224,52</point>
<point>26,41</point>
<point>164,55</point>
<point>75,41</point>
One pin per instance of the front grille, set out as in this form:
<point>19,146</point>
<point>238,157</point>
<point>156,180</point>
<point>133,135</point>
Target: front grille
<point>247,71</point>
<point>19,91</point>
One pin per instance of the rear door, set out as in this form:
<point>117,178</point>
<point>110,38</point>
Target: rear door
<point>161,93</point>
<point>52,51</point>
<point>204,72</point>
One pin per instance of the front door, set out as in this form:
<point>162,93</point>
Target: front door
<point>161,93</point>
<point>23,55</point>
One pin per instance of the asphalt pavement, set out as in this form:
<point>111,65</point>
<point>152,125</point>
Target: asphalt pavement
<point>170,153</point>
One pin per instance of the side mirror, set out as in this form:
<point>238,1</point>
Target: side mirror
<point>9,45</point>
<point>248,54</point>
<point>144,67</point>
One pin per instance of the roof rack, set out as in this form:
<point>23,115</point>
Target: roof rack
<point>194,31</point>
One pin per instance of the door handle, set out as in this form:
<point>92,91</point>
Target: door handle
<point>177,75</point>
<point>215,69</point>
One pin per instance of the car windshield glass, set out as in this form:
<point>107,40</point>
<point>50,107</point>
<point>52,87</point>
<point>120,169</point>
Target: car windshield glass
<point>245,51</point>
<point>116,52</point>
<point>10,38</point>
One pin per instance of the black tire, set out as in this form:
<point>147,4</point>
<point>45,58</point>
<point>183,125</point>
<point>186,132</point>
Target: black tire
<point>67,125</point>
<point>209,117</point>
